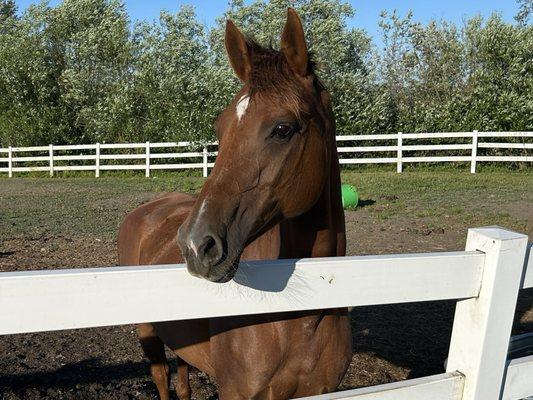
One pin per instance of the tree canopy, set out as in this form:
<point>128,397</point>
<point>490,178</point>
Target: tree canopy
<point>81,72</point>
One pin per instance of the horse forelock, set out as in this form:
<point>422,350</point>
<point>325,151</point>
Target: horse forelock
<point>272,80</point>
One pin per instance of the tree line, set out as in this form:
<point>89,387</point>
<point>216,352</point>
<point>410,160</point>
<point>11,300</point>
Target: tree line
<point>82,72</point>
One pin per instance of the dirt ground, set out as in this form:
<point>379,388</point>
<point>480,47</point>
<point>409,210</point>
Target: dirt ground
<point>60,223</point>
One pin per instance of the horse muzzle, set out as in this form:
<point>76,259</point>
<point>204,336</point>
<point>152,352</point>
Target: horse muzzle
<point>206,253</point>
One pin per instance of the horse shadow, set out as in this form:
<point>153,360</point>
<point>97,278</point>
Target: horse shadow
<point>91,376</point>
<point>83,372</point>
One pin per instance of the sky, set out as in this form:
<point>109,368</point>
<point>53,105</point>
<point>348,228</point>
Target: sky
<point>366,15</point>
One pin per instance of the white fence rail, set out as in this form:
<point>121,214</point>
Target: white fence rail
<point>485,279</point>
<point>399,148</point>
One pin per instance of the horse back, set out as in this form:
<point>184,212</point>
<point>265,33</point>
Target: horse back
<point>148,234</point>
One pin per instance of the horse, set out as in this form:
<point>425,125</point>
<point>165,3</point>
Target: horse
<point>274,192</point>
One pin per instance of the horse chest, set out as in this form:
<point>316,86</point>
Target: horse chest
<point>267,358</point>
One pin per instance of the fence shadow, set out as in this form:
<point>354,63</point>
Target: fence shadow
<point>411,336</point>
<point>417,336</point>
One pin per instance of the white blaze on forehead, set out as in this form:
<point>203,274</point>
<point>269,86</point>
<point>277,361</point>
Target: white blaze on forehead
<point>242,106</point>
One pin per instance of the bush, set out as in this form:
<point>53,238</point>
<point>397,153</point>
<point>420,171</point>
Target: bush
<point>77,73</point>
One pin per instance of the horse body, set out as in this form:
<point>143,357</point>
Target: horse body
<point>275,356</point>
<point>269,210</point>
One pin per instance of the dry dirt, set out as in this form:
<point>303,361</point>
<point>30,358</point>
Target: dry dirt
<point>391,343</point>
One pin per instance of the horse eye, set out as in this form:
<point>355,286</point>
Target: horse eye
<point>283,131</point>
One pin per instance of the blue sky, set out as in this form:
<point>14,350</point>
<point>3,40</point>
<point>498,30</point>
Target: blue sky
<point>366,17</point>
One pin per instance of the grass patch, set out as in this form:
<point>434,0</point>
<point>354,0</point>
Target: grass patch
<point>446,197</point>
<point>37,207</point>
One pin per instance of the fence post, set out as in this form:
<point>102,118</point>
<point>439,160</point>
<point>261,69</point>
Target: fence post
<point>147,174</point>
<point>482,325</point>
<point>399,167</point>
<point>205,161</point>
<point>10,161</point>
<point>97,161</point>
<point>474,152</point>
<point>51,153</point>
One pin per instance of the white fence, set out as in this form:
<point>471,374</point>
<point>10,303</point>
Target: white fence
<point>398,148</point>
<point>485,279</point>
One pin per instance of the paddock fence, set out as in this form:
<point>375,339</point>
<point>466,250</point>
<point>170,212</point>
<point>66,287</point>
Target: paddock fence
<point>399,148</point>
<point>485,279</point>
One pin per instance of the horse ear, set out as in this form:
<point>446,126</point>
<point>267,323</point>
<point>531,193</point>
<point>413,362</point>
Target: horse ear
<point>238,53</point>
<point>293,44</point>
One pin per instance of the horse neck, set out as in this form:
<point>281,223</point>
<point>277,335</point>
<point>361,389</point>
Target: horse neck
<point>319,232</point>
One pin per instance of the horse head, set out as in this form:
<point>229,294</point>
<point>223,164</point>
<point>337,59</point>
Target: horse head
<point>275,146</point>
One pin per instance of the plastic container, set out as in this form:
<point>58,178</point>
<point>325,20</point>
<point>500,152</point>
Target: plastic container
<point>350,197</point>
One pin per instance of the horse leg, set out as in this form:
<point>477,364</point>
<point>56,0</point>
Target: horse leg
<point>154,349</point>
<point>181,381</point>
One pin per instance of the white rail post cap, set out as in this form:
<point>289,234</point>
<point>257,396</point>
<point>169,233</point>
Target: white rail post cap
<point>497,232</point>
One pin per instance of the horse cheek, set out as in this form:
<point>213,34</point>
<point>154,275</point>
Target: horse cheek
<point>307,187</point>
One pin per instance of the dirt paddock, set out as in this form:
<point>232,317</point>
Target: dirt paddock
<point>72,223</point>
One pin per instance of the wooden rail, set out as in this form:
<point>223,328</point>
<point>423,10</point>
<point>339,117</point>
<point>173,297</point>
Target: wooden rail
<point>399,148</point>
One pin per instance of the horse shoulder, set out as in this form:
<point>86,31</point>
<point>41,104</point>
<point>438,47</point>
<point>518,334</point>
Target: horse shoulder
<point>147,235</point>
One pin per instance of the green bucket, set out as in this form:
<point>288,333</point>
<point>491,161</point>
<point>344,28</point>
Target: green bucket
<point>350,198</point>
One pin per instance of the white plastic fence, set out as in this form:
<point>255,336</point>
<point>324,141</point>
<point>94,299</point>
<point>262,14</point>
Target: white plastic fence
<point>485,279</point>
<point>353,149</point>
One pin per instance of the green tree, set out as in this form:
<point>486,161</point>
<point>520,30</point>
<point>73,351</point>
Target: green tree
<point>79,73</point>
<point>64,70</point>
<point>499,59</point>
<point>8,10</point>
<point>176,90</point>
<point>525,10</point>
<point>92,51</point>
<point>26,83</point>
<point>444,78</point>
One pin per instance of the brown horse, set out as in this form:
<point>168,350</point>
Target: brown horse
<point>274,193</point>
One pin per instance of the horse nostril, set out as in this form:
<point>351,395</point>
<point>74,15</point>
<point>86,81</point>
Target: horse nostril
<point>209,246</point>
<point>210,250</point>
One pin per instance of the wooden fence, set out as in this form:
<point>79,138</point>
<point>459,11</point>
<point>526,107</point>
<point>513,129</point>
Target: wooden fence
<point>485,279</point>
<point>399,148</point>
